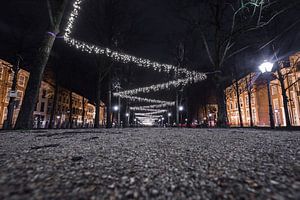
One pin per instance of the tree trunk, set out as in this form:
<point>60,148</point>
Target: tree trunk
<point>98,100</point>
<point>222,114</point>
<point>25,118</point>
<point>250,107</point>
<point>83,112</point>
<point>51,121</point>
<point>97,116</point>
<point>71,110</point>
<point>285,98</point>
<point>237,88</point>
<point>108,111</point>
<point>12,100</point>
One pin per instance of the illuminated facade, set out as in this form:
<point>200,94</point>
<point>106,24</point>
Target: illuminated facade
<point>6,80</point>
<point>42,113</point>
<point>259,98</point>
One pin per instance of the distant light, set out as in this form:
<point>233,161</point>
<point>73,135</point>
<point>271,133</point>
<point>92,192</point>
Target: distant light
<point>210,115</point>
<point>180,108</point>
<point>116,108</point>
<point>127,114</point>
<point>163,118</point>
<point>266,67</point>
<point>186,120</point>
<point>169,114</point>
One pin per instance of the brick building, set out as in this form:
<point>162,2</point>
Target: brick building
<point>42,113</point>
<point>259,97</point>
<point>6,79</point>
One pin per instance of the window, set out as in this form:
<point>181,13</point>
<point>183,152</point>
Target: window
<point>35,108</point>
<point>276,104</point>
<point>274,90</point>
<point>5,113</point>
<point>1,73</point>
<point>247,101</point>
<point>290,82</point>
<point>10,77</point>
<point>42,107</point>
<point>21,80</point>
<point>19,94</point>
<point>7,95</point>
<point>19,98</point>
<point>44,93</point>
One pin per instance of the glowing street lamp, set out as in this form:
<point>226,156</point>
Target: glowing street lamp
<point>169,116</point>
<point>116,108</point>
<point>127,115</point>
<point>181,108</point>
<point>267,67</point>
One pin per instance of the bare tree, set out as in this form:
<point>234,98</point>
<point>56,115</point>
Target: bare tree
<point>112,23</point>
<point>222,26</point>
<point>25,119</point>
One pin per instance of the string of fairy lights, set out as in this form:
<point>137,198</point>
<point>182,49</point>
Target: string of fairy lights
<point>186,76</point>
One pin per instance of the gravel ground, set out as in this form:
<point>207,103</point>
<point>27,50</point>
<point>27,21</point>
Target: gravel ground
<point>150,164</point>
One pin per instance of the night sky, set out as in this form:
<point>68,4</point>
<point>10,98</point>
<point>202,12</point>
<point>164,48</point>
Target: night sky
<point>155,35</point>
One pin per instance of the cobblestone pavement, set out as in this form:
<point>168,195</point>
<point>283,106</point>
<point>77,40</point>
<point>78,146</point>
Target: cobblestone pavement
<point>150,163</point>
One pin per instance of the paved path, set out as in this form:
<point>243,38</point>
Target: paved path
<point>150,164</point>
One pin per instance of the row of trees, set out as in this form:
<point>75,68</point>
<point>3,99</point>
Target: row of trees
<point>228,28</point>
<point>224,29</point>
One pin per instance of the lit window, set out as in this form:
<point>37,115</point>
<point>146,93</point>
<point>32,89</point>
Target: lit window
<point>21,80</point>
<point>7,95</point>
<point>5,113</point>
<point>10,77</point>
<point>1,73</point>
<point>274,90</point>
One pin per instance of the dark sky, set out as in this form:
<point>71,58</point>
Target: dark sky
<point>157,31</point>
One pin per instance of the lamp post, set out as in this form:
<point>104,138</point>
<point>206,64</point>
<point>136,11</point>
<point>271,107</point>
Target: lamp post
<point>169,116</point>
<point>116,109</point>
<point>127,116</point>
<point>266,68</point>
<point>180,110</point>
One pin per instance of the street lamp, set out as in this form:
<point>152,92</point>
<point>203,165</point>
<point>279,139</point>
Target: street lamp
<point>169,116</point>
<point>116,108</point>
<point>181,108</point>
<point>267,67</point>
<point>127,115</point>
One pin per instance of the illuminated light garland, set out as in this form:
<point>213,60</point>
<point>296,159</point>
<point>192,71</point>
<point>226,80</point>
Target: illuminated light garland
<point>147,110</point>
<point>151,106</point>
<point>151,113</point>
<point>117,56</point>
<point>163,86</point>
<point>190,76</point>
<point>146,100</point>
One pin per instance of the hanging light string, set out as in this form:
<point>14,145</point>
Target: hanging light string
<point>146,100</point>
<point>150,106</point>
<point>151,113</point>
<point>118,56</point>
<point>190,76</point>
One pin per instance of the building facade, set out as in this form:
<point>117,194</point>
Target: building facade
<point>6,80</point>
<point>252,87</point>
<point>71,109</point>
